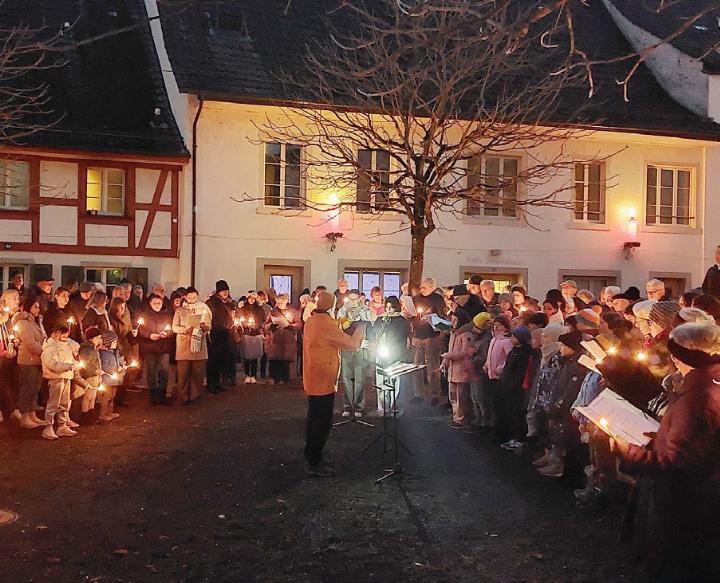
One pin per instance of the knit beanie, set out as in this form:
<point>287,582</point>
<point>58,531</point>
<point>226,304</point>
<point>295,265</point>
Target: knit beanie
<point>325,301</point>
<point>109,337</point>
<point>481,319</point>
<point>572,340</point>
<point>696,345</point>
<point>642,309</point>
<point>553,331</point>
<point>475,279</point>
<point>663,313</point>
<point>697,316</point>
<point>587,319</point>
<point>92,332</point>
<point>523,334</point>
<point>221,285</point>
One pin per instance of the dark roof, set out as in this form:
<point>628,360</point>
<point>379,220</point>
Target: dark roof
<point>701,40</point>
<point>238,50</point>
<point>106,95</point>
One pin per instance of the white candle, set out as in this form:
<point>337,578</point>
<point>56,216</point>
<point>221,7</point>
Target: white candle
<point>140,322</point>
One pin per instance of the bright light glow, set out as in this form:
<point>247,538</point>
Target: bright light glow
<point>236,321</point>
<point>251,321</point>
<point>167,328</point>
<point>101,388</point>
<point>16,328</point>
<point>71,320</point>
<point>81,364</point>
<point>6,310</point>
<point>632,228</point>
<point>134,364</point>
<point>641,356</point>
<point>333,199</point>
<point>287,315</point>
<point>419,310</point>
<point>604,422</point>
<point>141,322</point>
<point>523,309</point>
<point>612,350</point>
<point>114,376</point>
<point>242,320</point>
<point>383,351</point>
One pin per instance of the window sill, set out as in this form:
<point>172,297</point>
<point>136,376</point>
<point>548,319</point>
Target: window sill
<point>671,230</point>
<point>583,226</point>
<point>497,221</point>
<point>283,212</point>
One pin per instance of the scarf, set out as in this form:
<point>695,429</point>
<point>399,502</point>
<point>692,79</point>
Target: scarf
<point>548,352</point>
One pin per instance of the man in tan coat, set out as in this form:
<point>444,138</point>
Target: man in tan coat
<point>322,342</point>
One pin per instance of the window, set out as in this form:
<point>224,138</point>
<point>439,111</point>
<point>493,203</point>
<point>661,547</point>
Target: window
<point>366,279</point>
<point>282,284</point>
<point>373,182</point>
<point>669,196</point>
<point>108,276</point>
<point>283,182</point>
<point>495,177</point>
<point>590,192</point>
<point>14,184</point>
<point>106,191</point>
<point>7,272</point>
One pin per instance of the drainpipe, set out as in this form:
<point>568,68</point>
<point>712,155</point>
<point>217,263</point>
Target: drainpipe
<point>193,236</point>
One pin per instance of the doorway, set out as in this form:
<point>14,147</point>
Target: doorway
<point>593,281</point>
<point>286,279</point>
<point>675,283</point>
<point>502,278</point>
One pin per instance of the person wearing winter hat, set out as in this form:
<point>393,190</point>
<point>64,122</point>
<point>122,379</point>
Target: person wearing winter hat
<point>87,379</point>
<point>587,321</point>
<point>59,367</point>
<point>662,316</point>
<point>662,319</point>
<point>479,388</point>
<point>506,305</point>
<point>641,310</point>
<point>463,299</point>
<point>323,341</point>
<point>620,302</point>
<point>696,316</point>
<point>221,351</point>
<point>113,370</point>
<point>632,293</point>
<point>567,386</point>
<point>510,428</point>
<point>608,294</point>
<point>678,533</point>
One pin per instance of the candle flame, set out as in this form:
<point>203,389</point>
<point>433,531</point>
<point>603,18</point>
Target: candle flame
<point>16,328</point>
<point>167,328</point>
<point>604,422</point>
<point>141,321</point>
<point>134,364</point>
<point>71,320</point>
<point>641,356</point>
<point>101,388</point>
<point>114,376</point>
<point>6,310</point>
<point>81,364</point>
<point>612,350</point>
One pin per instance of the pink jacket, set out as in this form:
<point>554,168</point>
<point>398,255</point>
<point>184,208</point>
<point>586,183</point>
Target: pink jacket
<point>500,347</point>
<point>459,357</point>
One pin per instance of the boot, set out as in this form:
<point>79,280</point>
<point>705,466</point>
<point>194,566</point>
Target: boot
<point>40,422</point>
<point>65,431</point>
<point>542,461</point>
<point>27,422</point>
<point>556,467</point>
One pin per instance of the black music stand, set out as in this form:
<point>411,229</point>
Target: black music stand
<point>389,389</point>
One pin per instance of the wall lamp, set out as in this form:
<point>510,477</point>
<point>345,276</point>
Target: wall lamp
<point>630,246</point>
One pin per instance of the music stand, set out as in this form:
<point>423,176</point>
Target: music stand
<point>391,375</point>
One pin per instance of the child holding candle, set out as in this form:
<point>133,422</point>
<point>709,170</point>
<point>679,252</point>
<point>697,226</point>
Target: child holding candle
<point>88,377</point>
<point>58,367</point>
<point>253,317</point>
<point>113,372</point>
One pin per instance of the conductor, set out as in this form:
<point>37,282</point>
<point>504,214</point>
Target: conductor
<point>323,340</point>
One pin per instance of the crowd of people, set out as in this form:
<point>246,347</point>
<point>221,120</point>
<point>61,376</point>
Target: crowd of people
<point>505,365</point>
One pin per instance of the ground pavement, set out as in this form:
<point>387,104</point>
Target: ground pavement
<point>216,492</point>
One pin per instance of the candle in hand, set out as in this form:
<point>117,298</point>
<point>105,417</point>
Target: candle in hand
<point>141,322</point>
<point>236,321</point>
<point>134,364</point>
<point>71,320</point>
<point>6,310</point>
<point>16,328</point>
<point>167,328</point>
<point>81,364</point>
<point>101,388</point>
<point>114,376</point>
<point>287,315</point>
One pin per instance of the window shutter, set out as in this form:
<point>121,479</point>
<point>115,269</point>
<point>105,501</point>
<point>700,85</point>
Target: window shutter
<point>138,275</point>
<point>72,273</point>
<point>40,271</point>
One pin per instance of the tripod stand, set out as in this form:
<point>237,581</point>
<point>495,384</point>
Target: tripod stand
<point>352,418</point>
<point>389,390</point>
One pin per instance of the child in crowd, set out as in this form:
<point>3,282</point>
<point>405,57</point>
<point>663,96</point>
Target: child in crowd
<point>58,367</point>
<point>89,376</point>
<point>113,372</point>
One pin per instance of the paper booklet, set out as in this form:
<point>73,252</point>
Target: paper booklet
<point>588,363</point>
<point>409,305</point>
<point>279,320</point>
<point>194,320</point>
<point>594,349</point>
<point>617,417</point>
<point>438,324</point>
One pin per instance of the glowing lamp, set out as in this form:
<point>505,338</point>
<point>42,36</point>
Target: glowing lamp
<point>632,243</point>
<point>383,351</point>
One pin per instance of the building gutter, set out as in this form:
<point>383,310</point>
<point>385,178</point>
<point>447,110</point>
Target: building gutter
<point>193,235</point>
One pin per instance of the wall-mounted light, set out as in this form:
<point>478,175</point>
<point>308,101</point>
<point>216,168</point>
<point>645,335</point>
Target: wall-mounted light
<point>632,243</point>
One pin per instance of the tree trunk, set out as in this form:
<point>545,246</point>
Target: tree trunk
<point>417,257</point>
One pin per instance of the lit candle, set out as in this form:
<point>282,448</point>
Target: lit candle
<point>167,328</point>
<point>242,320</point>
<point>101,388</point>
<point>236,321</point>
<point>604,422</point>
<point>114,376</point>
<point>345,300</point>
<point>134,364</point>
<point>287,315</point>
<point>140,322</point>
<point>612,351</point>
<point>6,310</point>
<point>251,321</point>
<point>81,364</point>
<point>419,310</point>
<point>523,309</point>
<point>16,328</point>
<point>641,356</point>
<point>71,320</point>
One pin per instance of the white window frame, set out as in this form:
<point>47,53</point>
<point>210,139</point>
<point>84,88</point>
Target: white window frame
<point>586,191</point>
<point>480,210</point>
<point>103,277</point>
<point>104,170</point>
<point>283,165</point>
<point>382,272</point>
<point>692,197</point>
<point>373,203</point>
<point>7,186</point>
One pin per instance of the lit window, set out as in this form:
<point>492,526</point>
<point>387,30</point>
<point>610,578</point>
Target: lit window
<point>669,196</point>
<point>365,280</point>
<point>106,191</point>
<point>492,186</point>
<point>14,184</point>
<point>283,180</point>
<point>590,192</point>
<point>373,182</point>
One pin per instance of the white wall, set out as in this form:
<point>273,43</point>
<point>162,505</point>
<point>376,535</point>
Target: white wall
<point>232,235</point>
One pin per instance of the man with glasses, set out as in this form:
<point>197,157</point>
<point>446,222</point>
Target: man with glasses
<point>353,361</point>
<point>160,290</point>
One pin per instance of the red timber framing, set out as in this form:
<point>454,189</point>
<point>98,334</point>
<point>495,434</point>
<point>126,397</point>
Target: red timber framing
<point>168,170</point>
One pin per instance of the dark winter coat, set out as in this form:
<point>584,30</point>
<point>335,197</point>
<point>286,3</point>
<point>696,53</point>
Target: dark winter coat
<point>678,525</point>
<point>563,427</point>
<point>221,318</point>
<point>516,365</point>
<point>282,342</point>
<point>711,283</point>
<point>55,316</point>
<point>430,304</point>
<point>156,323</point>
<point>94,318</point>
<point>393,331</point>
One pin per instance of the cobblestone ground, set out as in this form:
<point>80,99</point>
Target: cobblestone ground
<point>216,492</point>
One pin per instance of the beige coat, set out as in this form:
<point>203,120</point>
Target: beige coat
<point>322,342</point>
<point>181,322</point>
<point>31,334</point>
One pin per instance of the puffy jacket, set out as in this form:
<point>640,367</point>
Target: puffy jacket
<point>58,359</point>
<point>112,364</point>
<point>88,376</point>
<point>459,357</point>
<point>500,347</point>
<point>31,335</point>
